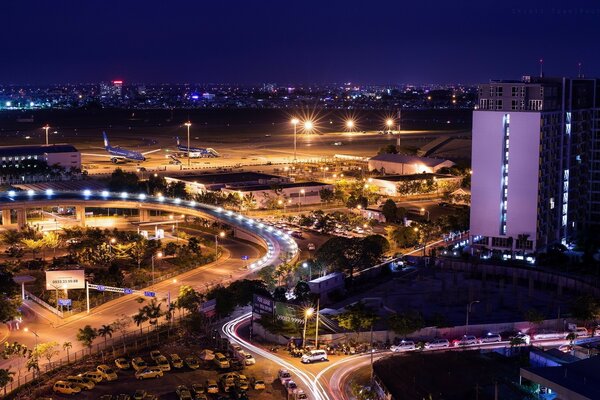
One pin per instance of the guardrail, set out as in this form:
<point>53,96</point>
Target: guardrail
<point>42,303</point>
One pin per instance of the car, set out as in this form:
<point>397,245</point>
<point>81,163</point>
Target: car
<point>138,363</point>
<point>154,354</point>
<point>521,336</point>
<point>580,331</point>
<point>107,372</point>
<point>153,372</point>
<point>291,387</point>
<point>258,384</point>
<point>211,386</point>
<point>176,361</point>
<point>404,345</point>
<point>183,393</point>
<point>192,362</point>
<point>235,348</point>
<point>228,380</point>
<point>83,383</point>
<point>437,344</point>
<point>466,340</point>
<point>163,363</point>
<point>198,388</point>
<point>314,355</point>
<point>490,338</point>
<point>301,395</point>
<point>242,382</point>
<point>566,348</point>
<point>139,394</point>
<point>122,363</point>
<point>221,361</point>
<point>284,376</point>
<point>246,358</point>
<point>123,396</point>
<point>311,247</point>
<point>64,387</point>
<point>546,335</point>
<point>93,375</point>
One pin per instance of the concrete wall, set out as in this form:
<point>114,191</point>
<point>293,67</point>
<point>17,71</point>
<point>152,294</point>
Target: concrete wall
<point>66,160</point>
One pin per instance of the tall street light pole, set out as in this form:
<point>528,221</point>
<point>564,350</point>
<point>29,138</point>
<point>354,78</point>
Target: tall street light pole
<point>47,128</point>
<point>468,312</point>
<point>295,122</point>
<point>188,124</point>
<point>157,255</point>
<point>307,313</point>
<point>222,235</point>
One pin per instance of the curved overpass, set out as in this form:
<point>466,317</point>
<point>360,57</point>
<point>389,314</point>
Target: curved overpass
<point>280,247</point>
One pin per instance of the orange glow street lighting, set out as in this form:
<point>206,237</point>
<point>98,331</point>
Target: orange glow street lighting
<point>295,122</point>
<point>350,124</point>
<point>46,128</point>
<point>307,314</point>
<point>220,235</point>
<point>188,124</point>
<point>389,122</point>
<point>308,126</point>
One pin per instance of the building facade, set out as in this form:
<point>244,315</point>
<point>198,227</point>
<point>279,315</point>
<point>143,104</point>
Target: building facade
<point>535,161</point>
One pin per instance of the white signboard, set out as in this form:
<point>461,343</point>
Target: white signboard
<point>67,279</point>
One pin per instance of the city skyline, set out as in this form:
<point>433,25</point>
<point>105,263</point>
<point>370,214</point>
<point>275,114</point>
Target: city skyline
<point>271,42</point>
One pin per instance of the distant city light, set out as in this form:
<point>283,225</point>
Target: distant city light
<point>87,192</point>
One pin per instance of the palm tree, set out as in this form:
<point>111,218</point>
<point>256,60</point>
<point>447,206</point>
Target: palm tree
<point>140,318</point>
<point>86,336</point>
<point>66,347</point>
<point>104,331</point>
<point>153,311</point>
<point>6,377</point>
<point>11,237</point>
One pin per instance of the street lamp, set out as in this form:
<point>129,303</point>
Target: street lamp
<point>468,312</point>
<point>295,122</point>
<point>423,211</point>
<point>303,193</point>
<point>350,124</point>
<point>111,244</point>
<point>307,313</point>
<point>220,235</point>
<point>47,128</point>
<point>389,122</point>
<point>157,255</point>
<point>188,124</point>
<point>35,333</point>
<point>308,126</point>
<point>309,266</point>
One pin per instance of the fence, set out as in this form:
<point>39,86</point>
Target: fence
<point>115,346</point>
<point>42,303</point>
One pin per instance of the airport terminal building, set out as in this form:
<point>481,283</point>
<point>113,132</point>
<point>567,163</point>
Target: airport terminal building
<point>65,155</point>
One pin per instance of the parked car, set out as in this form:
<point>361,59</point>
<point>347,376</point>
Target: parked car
<point>163,363</point>
<point>490,338</point>
<point>258,384</point>
<point>314,355</point>
<point>198,388</point>
<point>183,393</point>
<point>221,361</point>
<point>311,247</point>
<point>437,344</point>
<point>107,372</point>
<point>176,361</point>
<point>153,372</point>
<point>192,362</point>
<point>80,381</point>
<point>581,331</point>
<point>246,358</point>
<point>138,363</point>
<point>284,376</point>
<point>211,386</point>
<point>300,395</point>
<point>404,345</point>
<point>547,335</point>
<point>154,354</point>
<point>93,375</point>
<point>522,336</point>
<point>139,394</point>
<point>242,382</point>
<point>466,340</point>
<point>64,387</point>
<point>122,363</point>
<point>291,387</point>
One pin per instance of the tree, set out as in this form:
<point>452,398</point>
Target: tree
<point>327,195</point>
<point>52,241</point>
<point>9,299</point>
<point>361,392</point>
<point>11,237</point>
<point>153,311</point>
<point>406,323</point>
<point>389,210</point>
<point>356,317</point>
<point>388,149</point>
<point>194,246</point>
<point>121,181</point>
<point>33,245</point>
<point>302,292</point>
<point>104,331</point>
<point>586,308</point>
<point>267,274</point>
<point>571,337</point>
<point>171,249</point>
<point>6,377</point>
<point>140,318</point>
<point>86,336</point>
<point>46,350</point>
<point>66,347</point>
<point>188,298</point>
<point>139,251</point>
<point>534,317</point>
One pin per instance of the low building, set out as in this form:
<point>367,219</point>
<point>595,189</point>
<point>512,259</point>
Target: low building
<point>406,185</point>
<point>324,285</point>
<point>64,155</point>
<point>203,182</point>
<point>372,213</point>
<point>280,195</point>
<point>579,380</point>
<point>403,164</point>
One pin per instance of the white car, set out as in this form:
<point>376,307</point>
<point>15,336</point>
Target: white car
<point>580,331</point>
<point>525,337</point>
<point>490,338</point>
<point>547,335</point>
<point>405,345</point>
<point>466,340</point>
<point>437,344</point>
<point>291,387</point>
<point>246,358</point>
<point>284,376</point>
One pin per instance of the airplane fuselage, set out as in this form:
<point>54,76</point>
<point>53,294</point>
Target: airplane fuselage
<point>126,154</point>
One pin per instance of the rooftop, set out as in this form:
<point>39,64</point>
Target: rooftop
<point>408,159</point>
<point>229,177</point>
<point>29,150</point>
<point>285,185</point>
<point>401,178</point>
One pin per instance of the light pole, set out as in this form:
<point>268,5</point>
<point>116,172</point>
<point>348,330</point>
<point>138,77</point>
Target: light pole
<point>468,312</point>
<point>389,122</point>
<point>350,125</point>
<point>111,243</point>
<point>47,128</point>
<point>222,235</point>
<point>188,124</point>
<point>295,122</point>
<point>303,193</point>
<point>157,255</point>
<point>35,333</point>
<point>307,265</point>
<point>307,313</point>
<point>423,210</point>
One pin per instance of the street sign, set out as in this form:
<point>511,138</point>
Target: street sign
<point>99,288</point>
<point>65,302</point>
<point>128,291</point>
<point>150,294</point>
<point>245,257</point>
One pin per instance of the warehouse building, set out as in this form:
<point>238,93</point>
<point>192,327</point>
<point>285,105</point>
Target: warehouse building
<point>403,164</point>
<point>64,155</point>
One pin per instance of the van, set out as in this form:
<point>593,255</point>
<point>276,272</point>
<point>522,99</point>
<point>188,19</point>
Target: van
<point>93,375</point>
<point>221,361</point>
<point>107,372</point>
<point>314,355</point>
<point>65,388</point>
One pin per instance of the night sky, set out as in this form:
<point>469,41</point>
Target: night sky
<point>254,41</point>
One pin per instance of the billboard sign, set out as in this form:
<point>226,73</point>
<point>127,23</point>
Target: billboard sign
<point>67,279</point>
<point>288,312</point>
<point>262,305</point>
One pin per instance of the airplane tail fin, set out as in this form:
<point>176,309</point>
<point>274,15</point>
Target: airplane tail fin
<point>105,139</point>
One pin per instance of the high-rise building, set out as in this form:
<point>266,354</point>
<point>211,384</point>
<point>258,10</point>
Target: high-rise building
<point>535,162</point>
